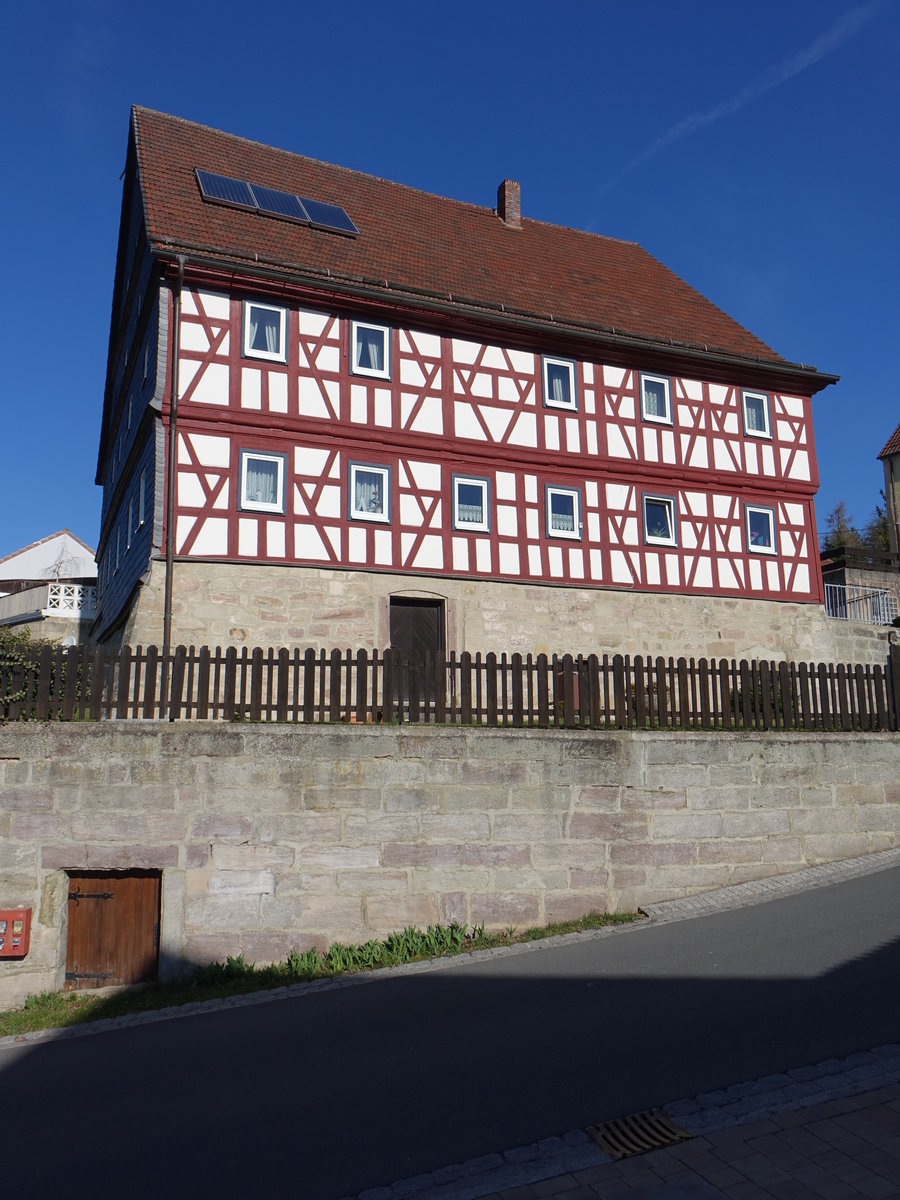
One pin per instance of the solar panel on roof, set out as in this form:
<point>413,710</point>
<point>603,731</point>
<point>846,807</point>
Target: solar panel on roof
<point>328,216</point>
<point>225,190</point>
<point>279,204</point>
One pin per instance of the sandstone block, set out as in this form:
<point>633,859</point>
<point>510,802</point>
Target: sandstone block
<point>242,883</point>
<point>327,799</point>
<point>599,799</point>
<point>465,799</point>
<point>880,818</point>
<point>687,825</point>
<point>832,847</point>
<point>453,907</point>
<point>247,857</point>
<point>66,857</point>
<point>821,820</point>
<point>721,799</point>
<point>216,826</point>
<point>529,879</point>
<point>364,882</point>
<point>418,854</point>
<point>129,827</point>
<point>337,857</point>
<point>27,799</point>
<point>496,855</point>
<point>266,948</point>
<point>299,828</point>
<point>204,948</point>
<point>722,851</point>
<point>754,824</point>
<point>124,858</point>
<point>527,827</point>
<point>637,798</point>
<point>391,827</point>
<point>782,850</point>
<point>501,909</point>
<point>651,854</point>
<point>461,827</point>
<point>220,913</point>
<point>412,799</point>
<point>37,827</point>
<point>588,881</point>
<point>566,906</point>
<point>609,827</point>
<point>385,914</point>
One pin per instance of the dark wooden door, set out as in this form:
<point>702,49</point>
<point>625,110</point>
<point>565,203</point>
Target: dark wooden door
<point>417,635</point>
<point>113,934</point>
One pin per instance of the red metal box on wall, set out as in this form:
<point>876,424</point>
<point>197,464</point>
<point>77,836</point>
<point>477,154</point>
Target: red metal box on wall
<point>15,932</point>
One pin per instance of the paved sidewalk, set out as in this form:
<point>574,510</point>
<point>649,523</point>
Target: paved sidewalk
<point>838,1150</point>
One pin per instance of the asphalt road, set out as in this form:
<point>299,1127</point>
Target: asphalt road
<point>327,1094</point>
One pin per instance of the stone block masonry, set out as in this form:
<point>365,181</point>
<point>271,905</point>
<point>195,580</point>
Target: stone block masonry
<point>276,837</point>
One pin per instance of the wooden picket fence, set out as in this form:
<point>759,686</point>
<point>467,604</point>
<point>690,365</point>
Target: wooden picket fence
<point>542,691</point>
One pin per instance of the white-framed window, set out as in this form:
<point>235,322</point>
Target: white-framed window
<point>656,399</point>
<point>563,507</point>
<point>470,504</point>
<point>559,383</point>
<point>756,415</point>
<point>370,492</point>
<point>659,521</point>
<point>130,527</point>
<point>760,523</point>
<point>370,350</point>
<point>265,331</point>
<point>142,487</point>
<point>262,481</point>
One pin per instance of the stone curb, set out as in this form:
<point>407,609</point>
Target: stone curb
<point>742,895</point>
<point>708,1113</point>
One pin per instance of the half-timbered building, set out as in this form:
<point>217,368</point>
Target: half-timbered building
<point>341,411</point>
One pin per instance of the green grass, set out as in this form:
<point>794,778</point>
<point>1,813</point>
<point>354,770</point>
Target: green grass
<point>56,1010</point>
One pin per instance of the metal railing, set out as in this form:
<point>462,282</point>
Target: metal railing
<point>870,606</point>
<point>51,600</point>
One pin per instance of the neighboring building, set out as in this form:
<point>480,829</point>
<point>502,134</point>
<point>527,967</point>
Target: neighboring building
<point>890,458</point>
<point>404,419</point>
<point>50,586</point>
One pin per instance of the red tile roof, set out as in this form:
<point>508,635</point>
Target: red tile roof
<point>412,242</point>
<point>893,444</point>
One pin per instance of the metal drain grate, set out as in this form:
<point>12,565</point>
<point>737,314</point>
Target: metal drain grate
<point>627,1136</point>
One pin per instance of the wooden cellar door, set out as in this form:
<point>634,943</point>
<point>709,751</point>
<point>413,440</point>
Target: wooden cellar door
<point>417,631</point>
<point>113,934</point>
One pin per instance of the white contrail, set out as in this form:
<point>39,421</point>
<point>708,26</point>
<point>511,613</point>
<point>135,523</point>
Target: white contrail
<point>772,78</point>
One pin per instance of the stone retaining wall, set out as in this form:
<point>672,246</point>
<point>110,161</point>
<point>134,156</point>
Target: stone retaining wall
<point>275,837</point>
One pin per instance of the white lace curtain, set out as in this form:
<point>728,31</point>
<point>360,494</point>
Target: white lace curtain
<point>264,330</point>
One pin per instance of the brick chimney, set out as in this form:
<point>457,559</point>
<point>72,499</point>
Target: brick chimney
<point>509,203</point>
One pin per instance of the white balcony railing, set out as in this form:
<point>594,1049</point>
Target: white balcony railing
<point>870,606</point>
<point>76,600</point>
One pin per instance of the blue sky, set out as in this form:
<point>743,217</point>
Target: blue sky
<point>751,148</point>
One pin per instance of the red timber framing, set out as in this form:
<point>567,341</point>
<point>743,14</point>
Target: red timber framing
<point>474,407</point>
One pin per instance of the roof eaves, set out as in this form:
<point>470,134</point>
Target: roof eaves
<point>448,302</point>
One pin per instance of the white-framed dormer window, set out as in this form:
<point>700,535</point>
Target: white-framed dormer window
<point>370,492</point>
<point>130,527</point>
<point>656,399</point>
<point>370,350</point>
<point>659,521</point>
<point>265,331</point>
<point>262,481</point>
<point>142,487</point>
<point>756,415</point>
<point>760,523</point>
<point>563,512</point>
<point>470,504</point>
<point>559,383</point>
